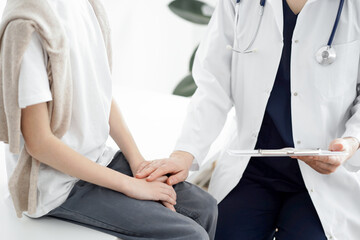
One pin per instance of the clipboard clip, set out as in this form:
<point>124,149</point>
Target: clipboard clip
<point>289,151</point>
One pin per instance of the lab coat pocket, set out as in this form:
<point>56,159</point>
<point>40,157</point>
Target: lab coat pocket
<point>340,77</point>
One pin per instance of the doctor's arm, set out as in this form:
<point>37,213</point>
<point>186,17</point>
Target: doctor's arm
<point>120,133</point>
<point>210,104</point>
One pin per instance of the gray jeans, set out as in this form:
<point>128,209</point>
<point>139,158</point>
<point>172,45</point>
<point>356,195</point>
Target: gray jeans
<point>127,218</point>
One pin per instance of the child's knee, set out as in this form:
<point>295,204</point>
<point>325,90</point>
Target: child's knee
<point>210,210</point>
<point>208,203</point>
<point>200,233</point>
<point>212,206</point>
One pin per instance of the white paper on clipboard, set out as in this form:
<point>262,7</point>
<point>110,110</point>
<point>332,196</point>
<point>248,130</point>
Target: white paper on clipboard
<point>284,152</point>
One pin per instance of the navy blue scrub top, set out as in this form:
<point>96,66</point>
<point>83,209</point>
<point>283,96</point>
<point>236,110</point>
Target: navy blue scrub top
<point>281,173</point>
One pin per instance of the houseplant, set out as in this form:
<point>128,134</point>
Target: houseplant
<point>199,13</point>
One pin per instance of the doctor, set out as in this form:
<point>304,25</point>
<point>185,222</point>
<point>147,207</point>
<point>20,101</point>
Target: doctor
<point>292,76</point>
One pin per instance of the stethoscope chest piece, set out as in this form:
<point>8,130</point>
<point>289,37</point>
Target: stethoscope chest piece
<point>326,55</point>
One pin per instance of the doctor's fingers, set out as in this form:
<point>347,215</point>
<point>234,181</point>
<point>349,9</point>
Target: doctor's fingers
<point>320,170</point>
<point>162,179</point>
<point>177,178</point>
<point>316,167</point>
<point>320,167</point>
<point>332,160</point>
<point>166,168</point>
<point>324,168</point>
<point>142,166</point>
<point>147,169</point>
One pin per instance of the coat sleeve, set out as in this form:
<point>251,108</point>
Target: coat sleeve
<point>353,128</point>
<point>212,101</point>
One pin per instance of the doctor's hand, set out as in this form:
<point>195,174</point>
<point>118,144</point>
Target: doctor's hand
<point>177,167</point>
<point>329,164</point>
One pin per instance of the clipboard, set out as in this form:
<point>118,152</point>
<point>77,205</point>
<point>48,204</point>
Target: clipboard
<point>284,152</point>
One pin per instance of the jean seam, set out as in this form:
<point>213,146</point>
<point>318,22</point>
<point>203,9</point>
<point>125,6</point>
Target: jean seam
<point>193,215</point>
<point>105,225</point>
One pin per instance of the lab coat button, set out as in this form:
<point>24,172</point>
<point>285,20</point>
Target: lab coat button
<point>296,41</point>
<point>312,190</point>
<point>296,94</point>
<point>298,142</point>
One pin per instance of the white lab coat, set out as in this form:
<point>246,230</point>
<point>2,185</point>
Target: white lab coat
<point>325,104</point>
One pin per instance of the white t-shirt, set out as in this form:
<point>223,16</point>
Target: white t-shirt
<point>92,95</point>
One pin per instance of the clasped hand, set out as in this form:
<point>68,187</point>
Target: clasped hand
<point>156,190</point>
<point>177,166</point>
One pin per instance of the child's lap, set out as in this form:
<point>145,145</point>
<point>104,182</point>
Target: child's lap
<point>89,204</point>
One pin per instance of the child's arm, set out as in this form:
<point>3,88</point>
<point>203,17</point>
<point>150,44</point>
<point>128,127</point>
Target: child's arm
<point>45,147</point>
<point>123,138</point>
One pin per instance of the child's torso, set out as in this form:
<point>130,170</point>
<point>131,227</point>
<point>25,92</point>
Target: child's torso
<point>92,96</point>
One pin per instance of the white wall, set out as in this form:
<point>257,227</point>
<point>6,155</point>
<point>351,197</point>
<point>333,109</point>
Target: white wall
<point>152,46</point>
<point>2,155</point>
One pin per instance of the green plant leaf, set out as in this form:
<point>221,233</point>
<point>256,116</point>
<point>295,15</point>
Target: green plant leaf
<point>186,87</point>
<point>192,10</point>
<point>192,59</point>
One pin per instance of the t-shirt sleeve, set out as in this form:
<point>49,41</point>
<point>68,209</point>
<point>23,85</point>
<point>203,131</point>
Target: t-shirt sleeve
<point>33,79</point>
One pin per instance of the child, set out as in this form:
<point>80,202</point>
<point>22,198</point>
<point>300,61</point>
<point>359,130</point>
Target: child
<point>56,113</point>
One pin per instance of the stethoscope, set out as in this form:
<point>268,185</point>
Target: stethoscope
<point>326,54</point>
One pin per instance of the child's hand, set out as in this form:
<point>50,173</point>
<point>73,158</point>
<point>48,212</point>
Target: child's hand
<point>154,191</point>
<point>164,179</point>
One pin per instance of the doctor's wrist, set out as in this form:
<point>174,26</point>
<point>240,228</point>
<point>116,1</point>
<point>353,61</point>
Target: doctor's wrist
<point>354,142</point>
<point>185,157</point>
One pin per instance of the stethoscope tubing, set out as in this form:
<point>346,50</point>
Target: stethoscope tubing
<point>325,56</point>
<point>337,20</point>
<point>247,49</point>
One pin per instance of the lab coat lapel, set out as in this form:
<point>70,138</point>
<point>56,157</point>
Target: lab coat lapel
<point>306,18</point>
<point>277,7</point>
